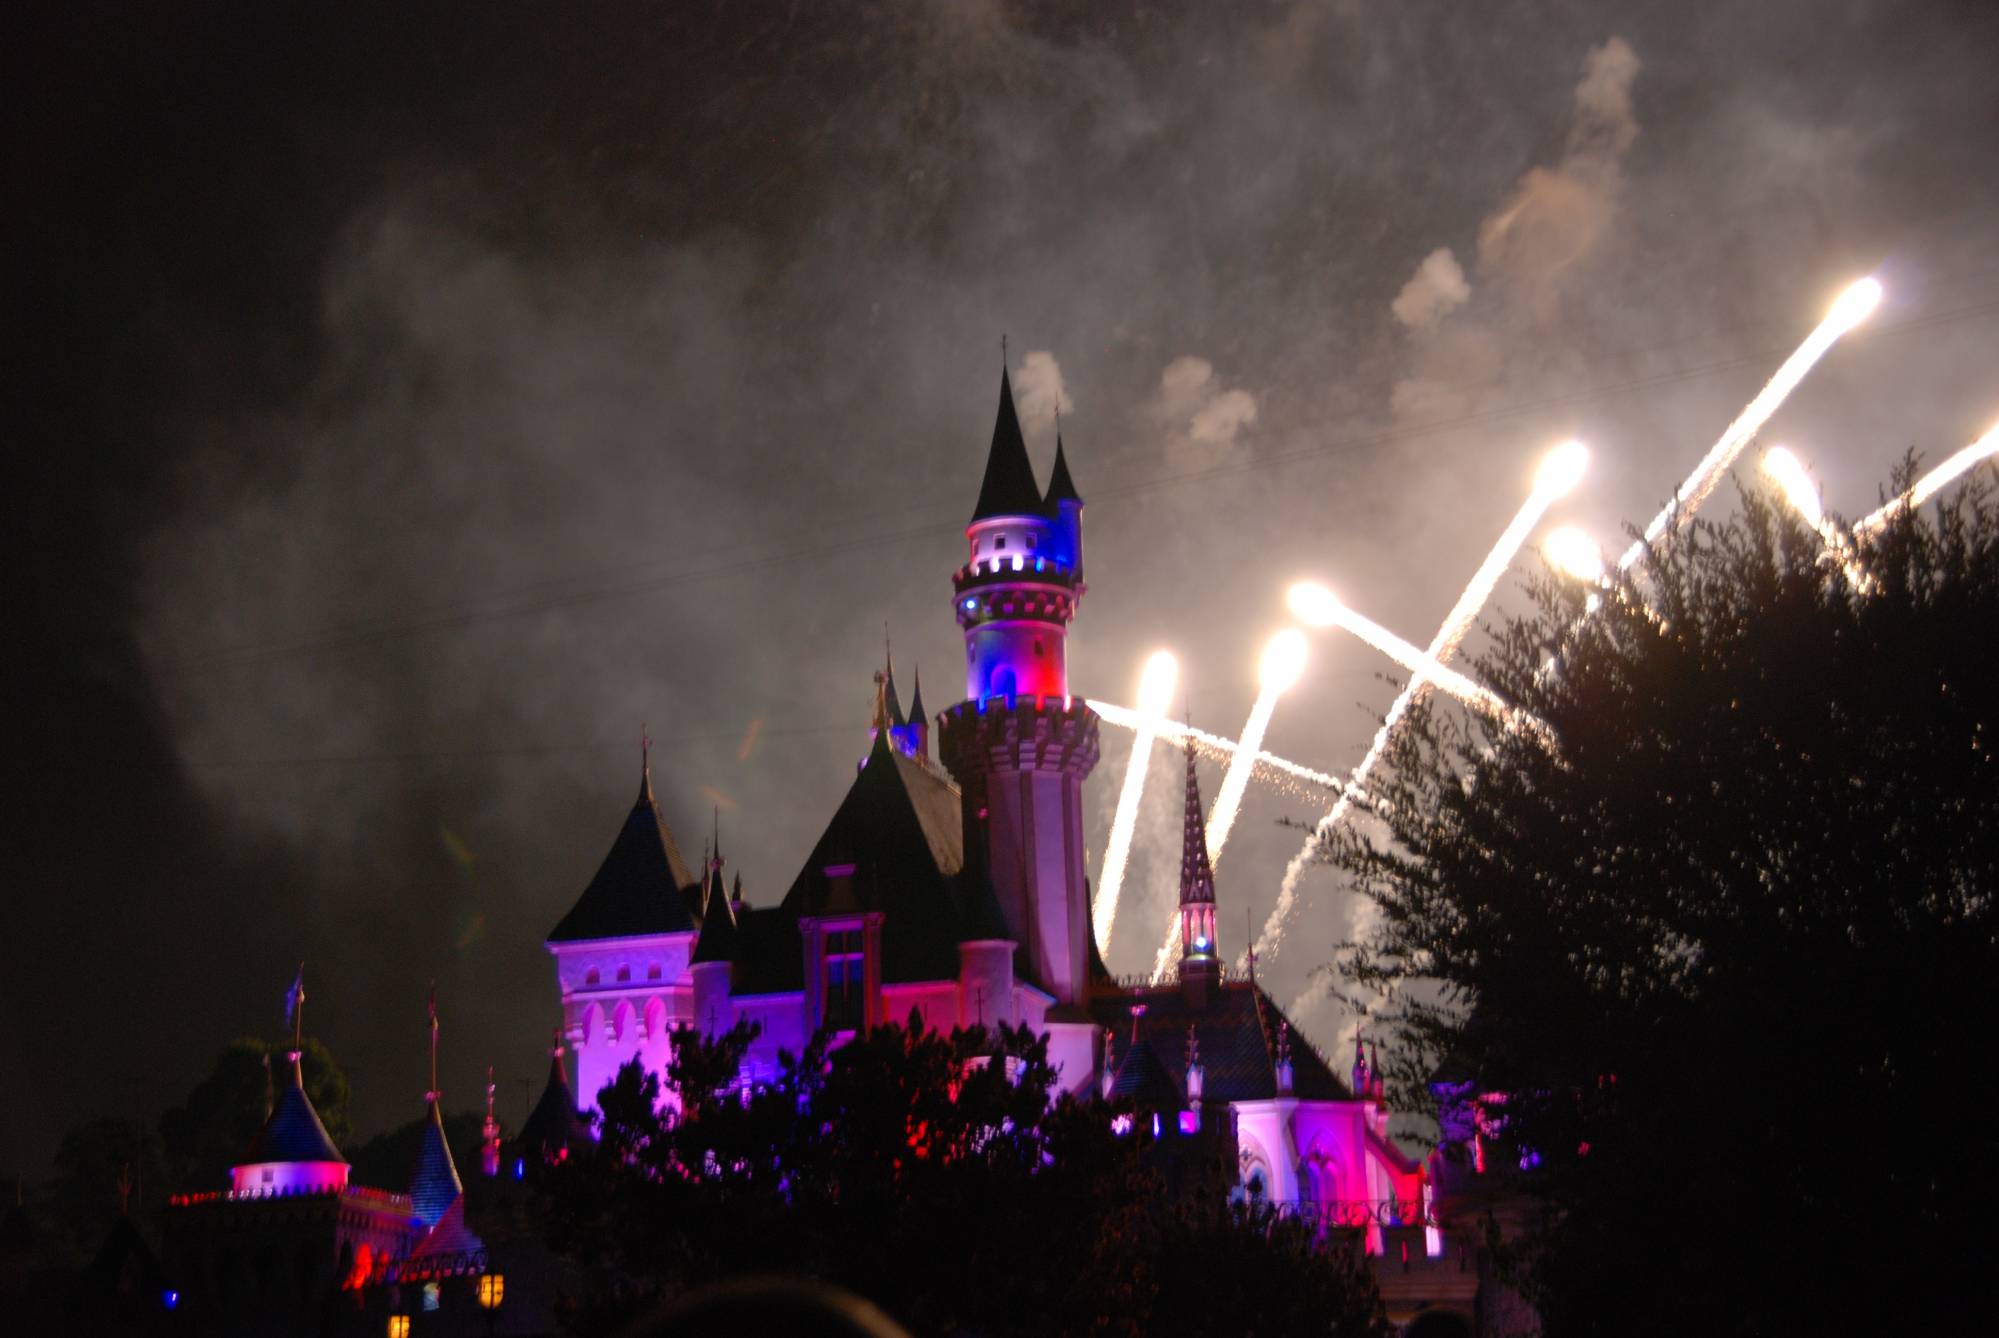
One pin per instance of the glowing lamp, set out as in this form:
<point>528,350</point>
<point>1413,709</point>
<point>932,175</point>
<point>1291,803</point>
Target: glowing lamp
<point>1201,943</point>
<point>1856,304</point>
<point>1788,473</point>
<point>492,1290</point>
<point>1283,661</point>
<point>1561,469</point>
<point>169,1298</point>
<point>1313,604</point>
<point>399,1326</point>
<point>1155,682</point>
<point>1571,551</point>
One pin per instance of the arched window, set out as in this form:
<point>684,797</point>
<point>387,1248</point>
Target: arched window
<point>593,1018</point>
<point>1003,682</point>
<point>656,1021</point>
<point>591,977</point>
<point>624,974</point>
<point>621,1021</point>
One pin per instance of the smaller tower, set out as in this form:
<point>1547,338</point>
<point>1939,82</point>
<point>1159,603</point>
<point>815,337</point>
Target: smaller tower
<point>489,1133</point>
<point>917,733</point>
<point>1200,961</point>
<point>435,1188</point>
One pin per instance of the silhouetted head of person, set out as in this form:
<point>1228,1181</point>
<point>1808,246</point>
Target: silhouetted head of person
<point>795,1307</point>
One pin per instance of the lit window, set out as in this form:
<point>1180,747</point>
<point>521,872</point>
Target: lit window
<point>430,1296</point>
<point>492,1290</point>
<point>399,1326</point>
<point>846,978</point>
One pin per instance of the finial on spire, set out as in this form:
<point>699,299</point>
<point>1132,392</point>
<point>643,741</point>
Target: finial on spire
<point>1003,357</point>
<point>295,1008</point>
<point>432,1096</point>
<point>715,856</point>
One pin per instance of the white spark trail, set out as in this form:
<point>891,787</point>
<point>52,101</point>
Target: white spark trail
<point>1854,306</point>
<point>1155,690</point>
<point>1214,745</point>
<point>1930,484</point>
<point>1559,473</point>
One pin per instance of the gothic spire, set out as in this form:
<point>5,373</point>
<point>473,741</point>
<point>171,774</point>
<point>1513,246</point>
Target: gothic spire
<point>1197,873</point>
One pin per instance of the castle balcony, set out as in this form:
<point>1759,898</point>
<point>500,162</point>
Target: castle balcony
<point>1017,569</point>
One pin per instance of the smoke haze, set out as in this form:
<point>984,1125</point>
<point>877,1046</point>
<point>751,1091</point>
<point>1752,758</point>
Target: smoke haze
<point>417,403</point>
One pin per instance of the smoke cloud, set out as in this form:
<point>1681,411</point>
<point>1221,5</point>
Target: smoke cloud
<point>1436,288</point>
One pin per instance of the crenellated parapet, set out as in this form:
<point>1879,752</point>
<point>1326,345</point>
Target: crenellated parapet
<point>1047,734</point>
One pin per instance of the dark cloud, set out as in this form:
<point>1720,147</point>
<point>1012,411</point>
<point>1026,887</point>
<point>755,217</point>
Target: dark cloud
<point>413,402</point>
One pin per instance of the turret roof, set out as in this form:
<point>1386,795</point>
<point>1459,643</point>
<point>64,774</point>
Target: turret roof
<point>1061,488</point>
<point>641,885</point>
<point>1009,488</point>
<point>916,715</point>
<point>434,1182</point>
<point>553,1126</point>
<point>901,829</point>
<point>718,924</point>
<point>293,1131</point>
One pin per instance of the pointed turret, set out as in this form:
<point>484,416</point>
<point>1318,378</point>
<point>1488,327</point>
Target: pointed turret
<point>1009,488</point>
<point>918,729</point>
<point>1061,486</point>
<point>553,1127</point>
<point>718,926</point>
<point>643,886</point>
<point>1200,960</point>
<point>434,1182</point>
<point>1064,506</point>
<point>292,1153</point>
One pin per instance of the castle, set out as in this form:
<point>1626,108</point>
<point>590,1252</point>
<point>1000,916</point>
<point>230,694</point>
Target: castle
<point>950,885</point>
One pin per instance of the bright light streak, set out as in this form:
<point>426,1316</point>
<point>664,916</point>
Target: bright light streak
<point>1283,661</point>
<point>1155,692</point>
<point>1789,474</point>
<point>1934,482</point>
<point>1212,744</point>
<point>1558,473</point>
<point>1322,608</point>
<point>1572,552</point>
<point>1561,470</point>
<point>1854,306</point>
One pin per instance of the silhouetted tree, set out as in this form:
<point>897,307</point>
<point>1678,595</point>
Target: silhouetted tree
<point>1724,937</point>
<point>934,1175</point>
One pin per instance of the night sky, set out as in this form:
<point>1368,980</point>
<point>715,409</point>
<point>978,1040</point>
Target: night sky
<point>407,402</point>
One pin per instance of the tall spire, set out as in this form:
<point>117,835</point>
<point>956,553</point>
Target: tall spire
<point>1009,488</point>
<point>432,1096</point>
<point>645,764</point>
<point>434,1182</point>
<point>1200,959</point>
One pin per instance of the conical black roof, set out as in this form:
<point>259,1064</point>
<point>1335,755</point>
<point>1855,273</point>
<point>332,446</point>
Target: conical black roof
<point>554,1126</point>
<point>1009,488</point>
<point>916,715</point>
<point>639,887</point>
<point>293,1133</point>
<point>1061,488</point>
<point>434,1182</point>
<point>901,828</point>
<point>718,925</point>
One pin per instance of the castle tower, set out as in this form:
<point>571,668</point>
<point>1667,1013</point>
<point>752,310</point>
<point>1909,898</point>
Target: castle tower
<point>1020,746</point>
<point>1200,961</point>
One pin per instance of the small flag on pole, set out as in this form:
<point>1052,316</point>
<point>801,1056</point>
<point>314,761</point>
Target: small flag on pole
<point>295,996</point>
